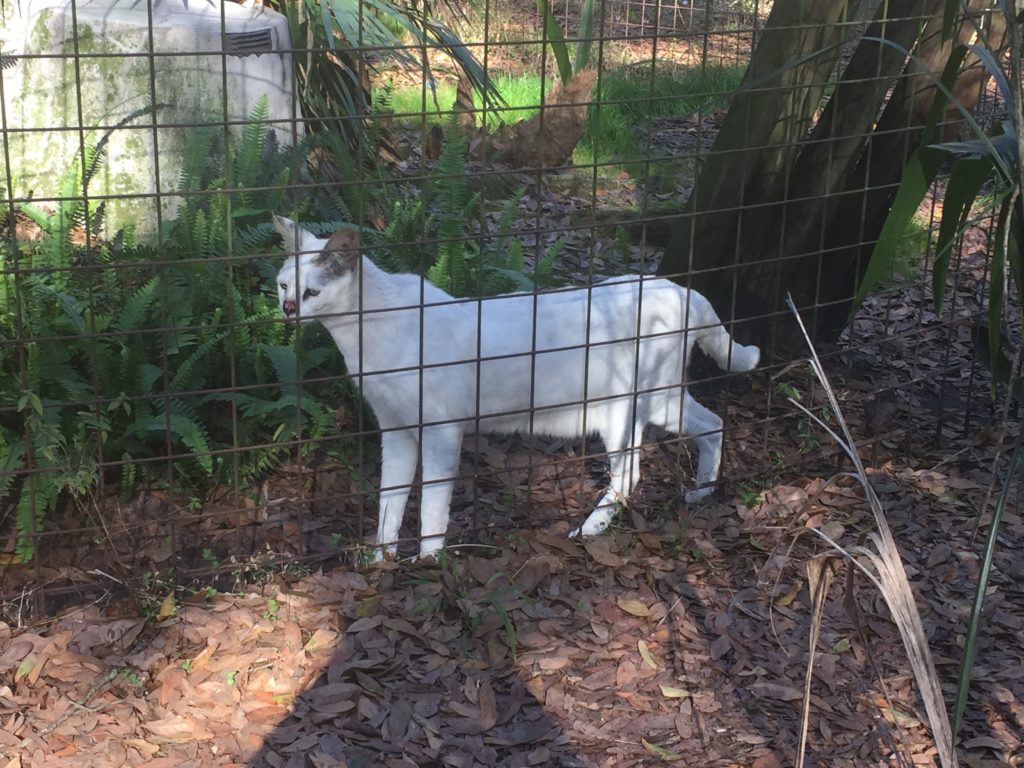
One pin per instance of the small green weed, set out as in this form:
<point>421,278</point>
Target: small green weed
<point>749,495</point>
<point>132,677</point>
<point>808,431</point>
<point>786,389</point>
<point>273,606</point>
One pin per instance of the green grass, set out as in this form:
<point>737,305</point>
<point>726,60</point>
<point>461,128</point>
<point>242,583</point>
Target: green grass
<point>634,94</point>
<point>522,94</point>
<point>637,93</point>
<point>628,99</point>
<point>910,251</point>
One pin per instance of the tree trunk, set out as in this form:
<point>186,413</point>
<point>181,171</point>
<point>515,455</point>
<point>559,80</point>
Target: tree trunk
<point>788,205</point>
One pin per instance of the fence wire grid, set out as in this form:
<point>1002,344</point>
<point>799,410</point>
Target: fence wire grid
<point>160,416</point>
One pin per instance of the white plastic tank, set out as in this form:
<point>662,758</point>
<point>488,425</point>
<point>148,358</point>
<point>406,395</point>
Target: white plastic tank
<point>74,68</point>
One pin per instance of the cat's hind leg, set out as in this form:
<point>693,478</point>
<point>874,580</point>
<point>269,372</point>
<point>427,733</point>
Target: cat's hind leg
<point>706,429</point>
<point>441,451</point>
<point>690,418</point>
<point>400,451</point>
<point>623,443</point>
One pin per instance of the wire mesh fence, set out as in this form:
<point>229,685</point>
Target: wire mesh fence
<point>161,416</point>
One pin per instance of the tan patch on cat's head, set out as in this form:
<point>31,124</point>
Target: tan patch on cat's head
<point>341,253</point>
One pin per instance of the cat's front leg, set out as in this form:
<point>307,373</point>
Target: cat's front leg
<point>624,472</point>
<point>441,449</point>
<point>605,511</point>
<point>400,453</point>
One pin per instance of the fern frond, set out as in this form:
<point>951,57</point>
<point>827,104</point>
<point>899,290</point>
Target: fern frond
<point>133,312</point>
<point>260,462</point>
<point>39,217</point>
<point>285,363</point>
<point>190,375</point>
<point>38,498</point>
<point>96,153</point>
<point>128,475</point>
<point>200,234</point>
<point>12,458</point>
<point>543,270</point>
<point>191,177</point>
<point>146,375</point>
<point>254,237</point>
<point>186,429</point>
<point>248,154</point>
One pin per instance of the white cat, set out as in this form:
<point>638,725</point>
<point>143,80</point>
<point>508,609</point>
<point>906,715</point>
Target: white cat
<point>433,367</point>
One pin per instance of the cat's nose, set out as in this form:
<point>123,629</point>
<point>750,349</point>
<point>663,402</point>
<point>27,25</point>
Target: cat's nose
<point>288,307</point>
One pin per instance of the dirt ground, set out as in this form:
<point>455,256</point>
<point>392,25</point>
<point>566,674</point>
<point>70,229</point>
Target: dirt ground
<point>682,637</point>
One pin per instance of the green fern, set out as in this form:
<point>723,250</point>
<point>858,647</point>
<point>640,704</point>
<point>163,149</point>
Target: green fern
<point>133,314</point>
<point>151,321</point>
<point>70,209</point>
<point>192,372</point>
<point>38,498</point>
<point>436,232</point>
<point>128,476</point>
<point>12,458</point>
<point>191,434</point>
<point>248,155</point>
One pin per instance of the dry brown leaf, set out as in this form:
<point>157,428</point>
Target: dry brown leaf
<point>554,663</point>
<point>321,640</point>
<point>633,607</point>
<point>599,548</point>
<point>776,691</point>
<point>790,596</point>
<point>174,729</point>
<point>645,654</point>
<point>673,693</point>
<point>488,705</point>
<point>167,607</point>
<point>625,673</point>
<point>720,646</point>
<point>902,719</point>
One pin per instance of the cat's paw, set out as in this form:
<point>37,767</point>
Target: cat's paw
<point>692,497</point>
<point>372,555</point>
<point>594,525</point>
<point>431,548</point>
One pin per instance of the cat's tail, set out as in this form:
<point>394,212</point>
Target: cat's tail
<point>715,341</point>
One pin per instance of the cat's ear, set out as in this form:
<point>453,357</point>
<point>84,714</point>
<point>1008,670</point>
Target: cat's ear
<point>289,232</point>
<point>341,253</point>
<point>344,240</point>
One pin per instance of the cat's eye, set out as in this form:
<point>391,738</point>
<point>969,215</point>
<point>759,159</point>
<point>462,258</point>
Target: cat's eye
<point>309,292</point>
<point>283,286</point>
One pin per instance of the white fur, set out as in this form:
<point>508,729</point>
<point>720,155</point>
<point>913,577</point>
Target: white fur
<point>418,355</point>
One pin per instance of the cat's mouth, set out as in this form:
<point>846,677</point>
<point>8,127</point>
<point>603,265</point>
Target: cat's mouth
<point>290,310</point>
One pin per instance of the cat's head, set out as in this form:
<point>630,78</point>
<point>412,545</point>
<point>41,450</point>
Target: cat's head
<point>318,274</point>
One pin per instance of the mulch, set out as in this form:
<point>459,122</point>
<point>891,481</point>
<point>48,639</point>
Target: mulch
<point>686,643</point>
<point>680,638</point>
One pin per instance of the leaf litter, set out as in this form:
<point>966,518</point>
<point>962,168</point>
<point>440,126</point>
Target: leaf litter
<point>681,639</point>
<point>618,651</point>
